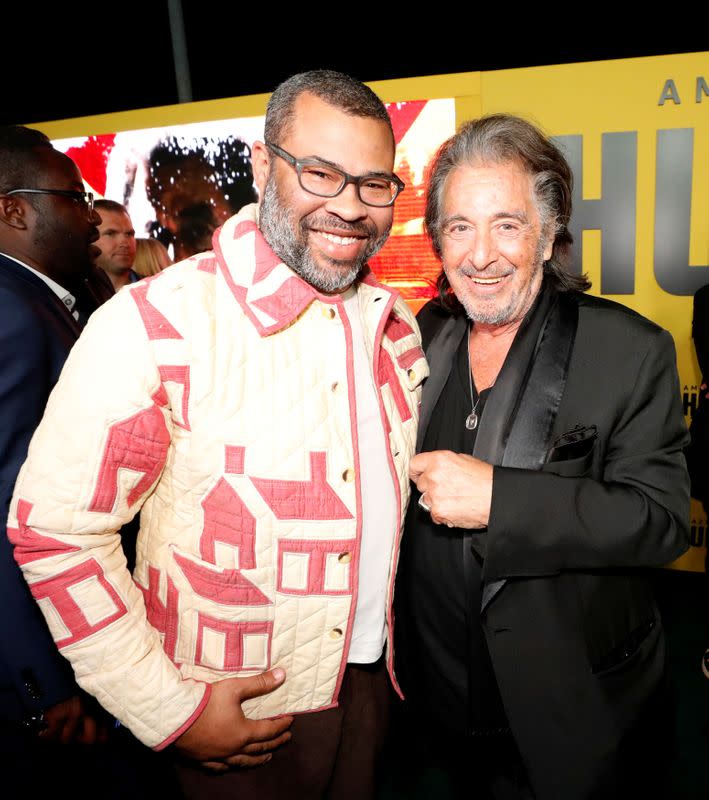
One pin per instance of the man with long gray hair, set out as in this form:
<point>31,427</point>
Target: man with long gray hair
<point>260,407</point>
<point>549,476</point>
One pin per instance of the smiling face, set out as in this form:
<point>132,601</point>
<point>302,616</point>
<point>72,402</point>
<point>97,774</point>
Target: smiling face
<point>492,243</point>
<point>326,240</point>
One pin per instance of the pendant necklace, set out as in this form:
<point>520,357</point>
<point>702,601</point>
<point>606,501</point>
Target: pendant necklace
<point>471,421</point>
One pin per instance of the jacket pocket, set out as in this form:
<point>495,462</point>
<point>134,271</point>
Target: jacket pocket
<point>572,467</point>
<point>225,618</point>
<point>574,444</point>
<point>629,651</point>
<point>571,455</point>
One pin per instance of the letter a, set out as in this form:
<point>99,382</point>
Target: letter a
<point>669,92</point>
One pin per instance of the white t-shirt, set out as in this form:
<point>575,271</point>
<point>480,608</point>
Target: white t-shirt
<point>379,503</point>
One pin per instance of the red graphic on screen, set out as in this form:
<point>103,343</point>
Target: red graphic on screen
<point>92,160</point>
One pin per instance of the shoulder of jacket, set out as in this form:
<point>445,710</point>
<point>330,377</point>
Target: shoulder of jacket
<point>609,312</point>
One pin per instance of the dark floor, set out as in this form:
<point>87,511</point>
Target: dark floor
<point>683,598</point>
<point>684,602</point>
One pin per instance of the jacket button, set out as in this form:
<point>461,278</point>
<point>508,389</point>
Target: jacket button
<point>412,374</point>
<point>348,475</point>
<point>344,558</point>
<point>329,312</point>
<point>335,385</point>
<point>335,633</point>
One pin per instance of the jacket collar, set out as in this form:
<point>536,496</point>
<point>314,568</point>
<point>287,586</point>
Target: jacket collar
<point>270,293</point>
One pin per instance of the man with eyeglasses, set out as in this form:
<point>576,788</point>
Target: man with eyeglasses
<point>47,230</point>
<point>259,404</point>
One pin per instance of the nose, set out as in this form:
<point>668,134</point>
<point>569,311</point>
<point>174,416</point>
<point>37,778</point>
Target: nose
<point>95,217</point>
<point>483,249</point>
<point>347,204</point>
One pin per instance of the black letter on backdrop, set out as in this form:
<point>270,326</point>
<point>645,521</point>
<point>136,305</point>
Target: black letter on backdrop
<point>613,214</point>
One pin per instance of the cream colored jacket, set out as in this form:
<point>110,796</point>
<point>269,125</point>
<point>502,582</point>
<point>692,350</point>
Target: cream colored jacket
<point>219,397</point>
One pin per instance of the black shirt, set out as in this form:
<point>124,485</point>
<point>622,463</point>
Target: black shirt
<point>446,665</point>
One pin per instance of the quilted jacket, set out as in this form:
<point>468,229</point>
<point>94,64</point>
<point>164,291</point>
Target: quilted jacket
<point>218,396</point>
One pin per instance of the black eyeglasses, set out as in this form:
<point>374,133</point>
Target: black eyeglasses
<point>80,197</point>
<point>324,180</point>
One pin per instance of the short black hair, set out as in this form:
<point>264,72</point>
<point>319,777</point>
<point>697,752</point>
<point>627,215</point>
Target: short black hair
<point>18,156</point>
<point>335,88</point>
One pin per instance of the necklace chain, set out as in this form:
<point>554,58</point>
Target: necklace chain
<point>471,421</point>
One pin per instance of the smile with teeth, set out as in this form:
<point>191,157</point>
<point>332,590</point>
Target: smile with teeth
<point>339,240</point>
<point>487,281</point>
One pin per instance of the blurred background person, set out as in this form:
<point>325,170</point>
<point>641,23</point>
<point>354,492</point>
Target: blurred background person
<point>151,257</point>
<point>197,184</point>
<point>116,243</point>
<point>196,225</point>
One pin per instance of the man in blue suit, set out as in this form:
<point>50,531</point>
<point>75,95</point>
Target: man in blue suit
<point>48,287</point>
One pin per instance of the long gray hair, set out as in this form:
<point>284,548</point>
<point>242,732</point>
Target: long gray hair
<point>497,139</point>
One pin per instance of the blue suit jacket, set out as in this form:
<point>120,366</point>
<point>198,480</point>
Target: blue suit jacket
<point>36,335</point>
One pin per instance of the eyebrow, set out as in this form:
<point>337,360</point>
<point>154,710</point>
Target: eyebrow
<point>335,165</point>
<point>520,216</point>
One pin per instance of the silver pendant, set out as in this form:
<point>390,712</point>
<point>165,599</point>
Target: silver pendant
<point>471,421</point>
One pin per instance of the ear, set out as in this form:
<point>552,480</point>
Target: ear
<point>260,165</point>
<point>549,235</point>
<point>13,212</point>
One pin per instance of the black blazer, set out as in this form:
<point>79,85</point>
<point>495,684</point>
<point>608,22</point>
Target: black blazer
<point>36,334</point>
<point>586,430</point>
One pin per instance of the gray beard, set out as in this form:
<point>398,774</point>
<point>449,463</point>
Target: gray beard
<point>502,316</point>
<point>288,240</point>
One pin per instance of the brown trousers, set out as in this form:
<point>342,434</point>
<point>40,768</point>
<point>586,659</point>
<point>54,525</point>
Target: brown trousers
<point>333,754</point>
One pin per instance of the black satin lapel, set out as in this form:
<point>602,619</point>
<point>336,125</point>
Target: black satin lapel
<point>529,439</point>
<point>440,355</point>
<point>540,397</point>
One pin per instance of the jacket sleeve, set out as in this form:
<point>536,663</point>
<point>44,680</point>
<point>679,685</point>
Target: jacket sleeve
<point>94,459</point>
<point>635,515</point>
<point>30,664</point>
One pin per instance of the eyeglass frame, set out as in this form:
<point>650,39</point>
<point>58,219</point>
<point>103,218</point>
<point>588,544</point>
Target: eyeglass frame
<point>74,194</point>
<point>299,163</point>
